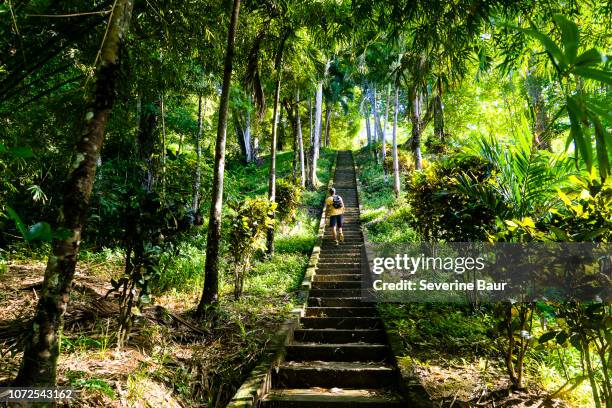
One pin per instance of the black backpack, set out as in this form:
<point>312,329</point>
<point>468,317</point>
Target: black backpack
<point>337,201</point>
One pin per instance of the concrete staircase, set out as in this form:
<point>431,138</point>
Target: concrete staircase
<point>339,356</point>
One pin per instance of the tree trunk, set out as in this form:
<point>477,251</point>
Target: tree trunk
<point>328,112</point>
<point>146,143</point>
<point>415,118</point>
<point>39,363</point>
<point>197,179</point>
<point>300,139</point>
<point>248,144</point>
<point>164,144</point>
<point>368,128</point>
<point>377,127</point>
<point>538,107</point>
<point>240,133</point>
<point>396,178</point>
<point>384,132</point>
<point>438,113</point>
<point>210,293</point>
<point>310,118</point>
<point>316,139</point>
<point>275,115</point>
<point>280,145</point>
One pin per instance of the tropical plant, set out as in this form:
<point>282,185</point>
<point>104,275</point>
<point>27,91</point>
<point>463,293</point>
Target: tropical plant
<point>524,180</point>
<point>288,196</point>
<point>571,70</point>
<point>251,221</point>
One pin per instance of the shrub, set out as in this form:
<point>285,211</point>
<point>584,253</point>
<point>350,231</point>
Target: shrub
<point>439,210</point>
<point>253,218</point>
<point>288,197</point>
<point>404,158</point>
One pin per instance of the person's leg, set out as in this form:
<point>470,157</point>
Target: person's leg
<point>340,221</point>
<point>332,223</point>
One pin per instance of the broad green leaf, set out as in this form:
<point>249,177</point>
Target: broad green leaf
<point>594,74</point>
<point>17,219</point>
<point>603,111</point>
<point>581,141</point>
<point>589,57</point>
<point>547,336</point>
<point>601,135</point>
<point>23,152</point>
<point>39,231</point>
<point>2,148</point>
<point>550,46</point>
<point>569,36</point>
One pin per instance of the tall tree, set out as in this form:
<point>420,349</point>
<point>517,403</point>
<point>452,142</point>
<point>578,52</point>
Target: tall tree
<point>210,293</point>
<point>39,363</point>
<point>272,176</point>
<point>396,178</point>
<point>312,181</point>
<point>197,178</point>
<point>300,138</point>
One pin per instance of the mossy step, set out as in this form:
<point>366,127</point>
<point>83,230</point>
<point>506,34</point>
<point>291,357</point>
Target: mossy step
<point>341,322</point>
<point>340,335</point>
<point>336,301</point>
<point>336,285</point>
<point>345,277</point>
<point>335,292</point>
<point>331,398</point>
<point>329,374</point>
<point>340,311</point>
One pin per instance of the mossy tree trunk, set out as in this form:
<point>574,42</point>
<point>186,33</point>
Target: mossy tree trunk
<point>39,363</point>
<point>210,293</point>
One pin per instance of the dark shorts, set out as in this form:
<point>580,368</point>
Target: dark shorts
<point>335,220</point>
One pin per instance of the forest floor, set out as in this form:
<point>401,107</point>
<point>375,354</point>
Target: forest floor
<point>171,359</point>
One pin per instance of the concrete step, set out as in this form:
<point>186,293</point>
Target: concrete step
<point>337,352</point>
<point>335,292</point>
<point>346,277</point>
<point>337,271</point>
<point>331,374</point>
<point>341,323</point>
<point>337,302</point>
<point>328,398</point>
<point>336,285</point>
<point>340,311</point>
<point>340,336</point>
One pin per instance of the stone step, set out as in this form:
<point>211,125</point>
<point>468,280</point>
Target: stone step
<point>341,322</point>
<point>340,336</point>
<point>356,263</point>
<point>336,285</point>
<point>337,271</point>
<point>330,398</point>
<point>347,277</point>
<point>337,352</point>
<point>333,374</point>
<point>337,302</point>
<point>340,311</point>
<point>335,292</point>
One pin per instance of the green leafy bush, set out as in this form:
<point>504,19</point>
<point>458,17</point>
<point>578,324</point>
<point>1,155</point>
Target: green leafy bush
<point>288,197</point>
<point>442,212</point>
<point>249,225</point>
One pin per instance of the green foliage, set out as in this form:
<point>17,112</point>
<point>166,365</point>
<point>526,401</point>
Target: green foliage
<point>523,179</point>
<point>252,220</point>
<point>288,197</point>
<point>405,160</point>
<point>442,211</point>
<point>429,327</point>
<point>583,214</point>
<point>571,69</point>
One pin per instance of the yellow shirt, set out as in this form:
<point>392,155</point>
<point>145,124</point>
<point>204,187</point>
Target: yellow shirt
<point>329,207</point>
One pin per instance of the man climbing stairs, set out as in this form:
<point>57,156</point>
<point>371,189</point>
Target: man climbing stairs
<point>339,356</point>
